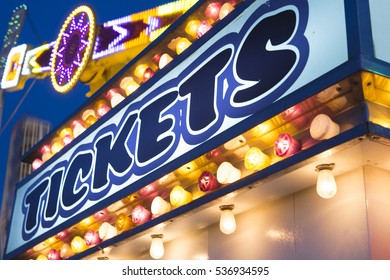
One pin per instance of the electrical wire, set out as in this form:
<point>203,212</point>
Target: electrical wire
<point>17,106</point>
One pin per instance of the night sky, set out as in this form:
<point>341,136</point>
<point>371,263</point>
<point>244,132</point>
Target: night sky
<point>38,98</point>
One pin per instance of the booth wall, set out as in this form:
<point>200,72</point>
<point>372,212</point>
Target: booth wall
<point>353,225</point>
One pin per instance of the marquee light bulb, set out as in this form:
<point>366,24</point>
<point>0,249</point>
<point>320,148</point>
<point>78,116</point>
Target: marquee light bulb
<point>87,222</point>
<point>182,45</point>
<point>101,108</point>
<point>227,223</point>
<point>92,238</point>
<point>148,73</point>
<point>54,255</point>
<point>202,29</point>
<point>46,156</point>
<point>87,113</point>
<point>45,148</point>
<point>78,244</point>
<point>179,196</point>
<point>322,127</point>
<point>89,117</point>
<point>140,215</point>
<point>128,85</point>
<point>225,10</point>
<point>326,184</point>
<point>123,222</point>
<point>164,60</point>
<point>107,231</point>
<point>140,70</point>
<point>41,257</point>
<point>255,159</point>
<point>66,251</point>
<point>156,58</point>
<point>67,139</point>
<point>160,206</point>
<point>237,145</point>
<point>149,191</point>
<point>62,235</point>
<point>191,27</point>
<point>77,127</point>
<point>227,173</point>
<point>36,164</point>
<point>56,145</point>
<point>212,10</point>
<point>102,215</point>
<point>285,145</point>
<point>66,131</point>
<point>296,116</point>
<point>208,182</point>
<point>157,246</point>
<point>115,96</point>
<point>190,171</point>
<point>46,153</point>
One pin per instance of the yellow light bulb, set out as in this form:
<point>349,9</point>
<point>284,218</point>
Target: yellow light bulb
<point>255,159</point>
<point>66,131</point>
<point>90,121</point>
<point>179,196</point>
<point>87,222</point>
<point>191,27</point>
<point>140,70</point>
<point>123,222</point>
<point>56,145</point>
<point>225,10</point>
<point>128,85</point>
<point>41,257</point>
<point>182,45</point>
<point>66,251</point>
<point>78,245</point>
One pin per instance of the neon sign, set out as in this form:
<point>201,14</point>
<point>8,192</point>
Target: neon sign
<point>82,40</point>
<point>13,67</point>
<point>73,49</point>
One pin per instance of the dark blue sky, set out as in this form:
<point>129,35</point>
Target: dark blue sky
<point>43,23</point>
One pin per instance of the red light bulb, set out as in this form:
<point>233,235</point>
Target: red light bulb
<point>140,215</point>
<point>203,27</point>
<point>208,182</point>
<point>285,145</point>
<point>36,164</point>
<point>212,10</point>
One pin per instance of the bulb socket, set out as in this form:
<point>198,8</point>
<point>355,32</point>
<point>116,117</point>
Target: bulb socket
<point>226,207</point>
<point>326,166</point>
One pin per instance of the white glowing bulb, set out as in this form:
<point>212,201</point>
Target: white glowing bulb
<point>322,127</point>
<point>160,206</point>
<point>227,223</point>
<point>157,247</point>
<point>326,184</point>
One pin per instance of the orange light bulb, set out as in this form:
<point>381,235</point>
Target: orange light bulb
<point>78,244</point>
<point>182,45</point>
<point>191,27</point>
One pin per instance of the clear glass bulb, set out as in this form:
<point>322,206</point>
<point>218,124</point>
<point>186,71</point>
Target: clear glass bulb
<point>227,223</point>
<point>157,247</point>
<point>326,184</point>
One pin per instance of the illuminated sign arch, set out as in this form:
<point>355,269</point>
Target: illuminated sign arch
<point>114,44</point>
<point>73,49</point>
